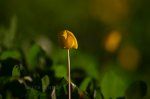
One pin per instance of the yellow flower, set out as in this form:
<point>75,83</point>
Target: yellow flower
<point>68,40</point>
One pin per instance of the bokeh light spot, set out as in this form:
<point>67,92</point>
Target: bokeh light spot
<point>112,41</point>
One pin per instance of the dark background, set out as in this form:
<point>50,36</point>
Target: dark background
<point>113,35</point>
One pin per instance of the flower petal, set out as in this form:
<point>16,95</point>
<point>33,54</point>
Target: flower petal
<point>68,40</point>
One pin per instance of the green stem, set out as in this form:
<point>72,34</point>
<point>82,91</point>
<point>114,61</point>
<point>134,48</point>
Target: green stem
<point>69,78</point>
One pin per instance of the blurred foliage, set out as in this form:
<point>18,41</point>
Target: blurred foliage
<point>113,38</point>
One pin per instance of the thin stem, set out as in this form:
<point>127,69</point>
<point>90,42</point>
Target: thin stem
<point>69,78</point>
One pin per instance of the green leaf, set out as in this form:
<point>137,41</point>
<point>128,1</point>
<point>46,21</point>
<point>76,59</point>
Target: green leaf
<point>8,95</point>
<point>32,56</point>
<point>60,71</point>
<point>34,94</point>
<point>10,54</point>
<point>98,94</point>
<point>113,84</point>
<point>16,71</point>
<point>85,84</point>
<point>45,83</point>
